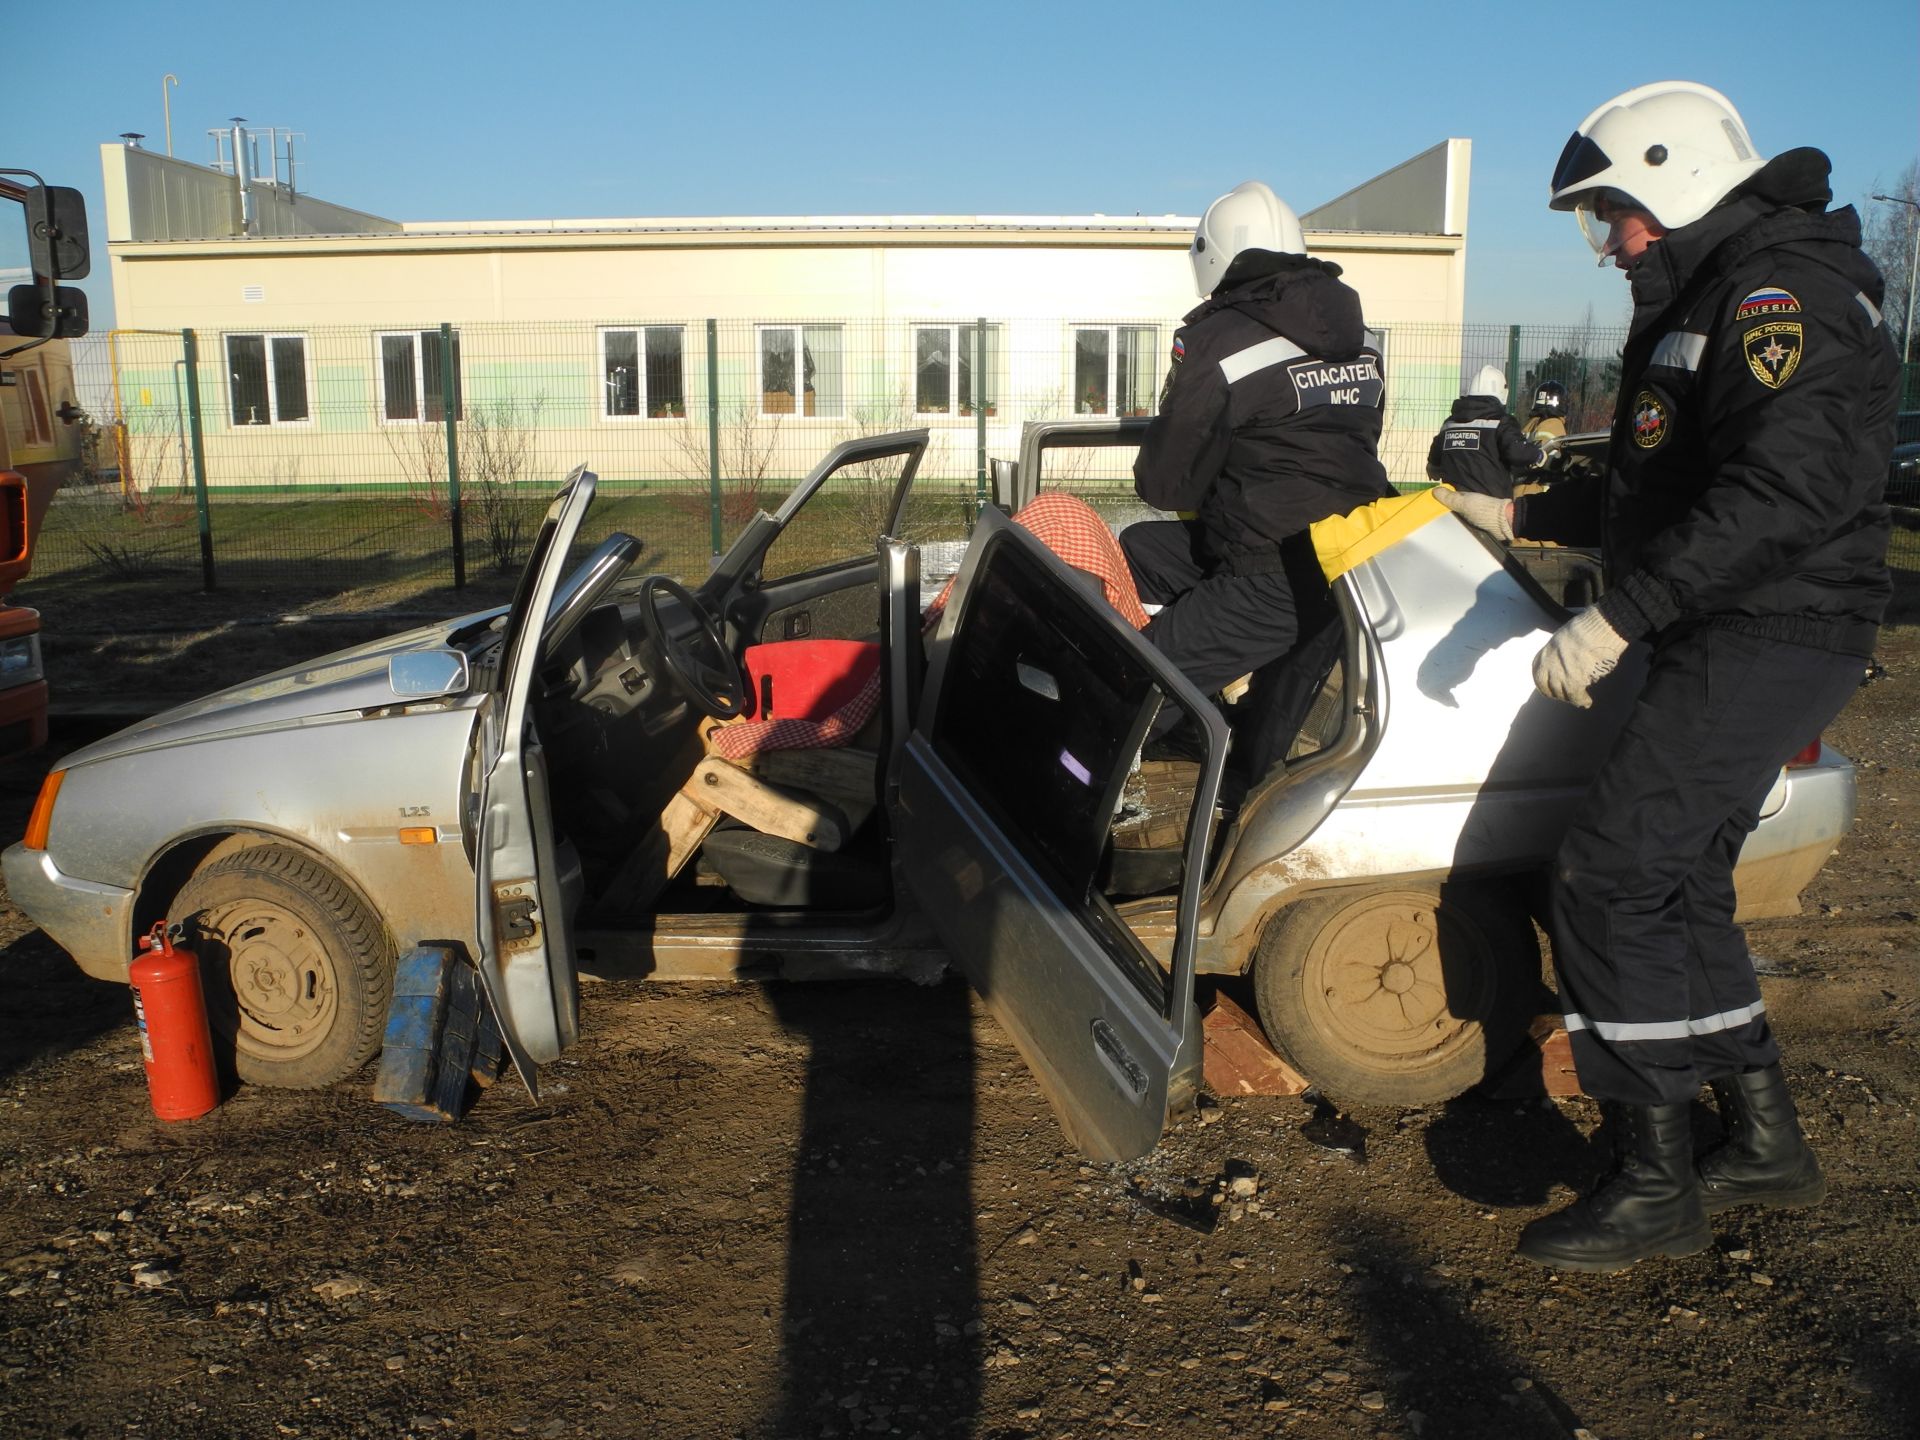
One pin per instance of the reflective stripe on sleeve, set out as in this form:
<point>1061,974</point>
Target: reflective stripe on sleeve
<point>1679,350</point>
<point>1666,1029</point>
<point>1243,363</point>
<point>1873,311</point>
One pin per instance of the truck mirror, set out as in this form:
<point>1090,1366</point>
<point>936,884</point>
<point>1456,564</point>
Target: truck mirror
<point>32,318</point>
<point>57,232</point>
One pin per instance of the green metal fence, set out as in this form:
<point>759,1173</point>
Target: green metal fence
<point>342,457</point>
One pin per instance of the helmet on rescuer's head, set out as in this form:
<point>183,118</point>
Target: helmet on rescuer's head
<point>1491,380</point>
<point>1674,149</point>
<point>1247,217</point>
<point>1550,399</point>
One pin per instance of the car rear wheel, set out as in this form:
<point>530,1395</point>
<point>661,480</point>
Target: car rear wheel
<point>298,970</point>
<point>1400,994</point>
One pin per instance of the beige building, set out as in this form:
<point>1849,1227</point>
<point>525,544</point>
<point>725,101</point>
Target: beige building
<point>629,342</point>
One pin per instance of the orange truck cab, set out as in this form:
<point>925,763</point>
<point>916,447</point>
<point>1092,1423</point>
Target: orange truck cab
<point>40,437</point>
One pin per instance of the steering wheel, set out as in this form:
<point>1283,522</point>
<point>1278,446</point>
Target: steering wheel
<point>718,687</point>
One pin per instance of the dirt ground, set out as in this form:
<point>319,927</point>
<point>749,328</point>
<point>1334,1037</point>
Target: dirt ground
<point>842,1210</point>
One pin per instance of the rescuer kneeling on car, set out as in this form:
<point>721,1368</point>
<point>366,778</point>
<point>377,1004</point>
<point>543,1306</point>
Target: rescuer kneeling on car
<point>1270,420</point>
<point>1745,538</point>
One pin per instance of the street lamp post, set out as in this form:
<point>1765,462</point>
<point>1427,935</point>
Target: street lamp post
<point>1913,270</point>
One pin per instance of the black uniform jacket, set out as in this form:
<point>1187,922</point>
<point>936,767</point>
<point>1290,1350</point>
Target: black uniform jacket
<point>1480,447</point>
<point>1749,450</point>
<point>1272,411</point>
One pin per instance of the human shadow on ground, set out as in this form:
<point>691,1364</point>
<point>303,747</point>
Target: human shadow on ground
<point>882,1326</point>
<point>1440,1361</point>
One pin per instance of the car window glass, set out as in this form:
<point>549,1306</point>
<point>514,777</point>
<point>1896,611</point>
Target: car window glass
<point>1041,716</point>
<point>841,521</point>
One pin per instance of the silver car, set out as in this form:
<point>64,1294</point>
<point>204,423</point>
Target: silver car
<point>523,784</point>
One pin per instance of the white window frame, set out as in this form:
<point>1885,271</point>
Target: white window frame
<point>1112,331</point>
<point>419,337</point>
<point>267,337</point>
<point>957,331</point>
<point>797,329</point>
<point>641,398</point>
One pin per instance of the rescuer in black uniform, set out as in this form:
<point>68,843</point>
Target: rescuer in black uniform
<point>1745,537</point>
<point>1481,445</point>
<point>1270,420</point>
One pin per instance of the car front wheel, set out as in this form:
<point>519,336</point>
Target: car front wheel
<point>298,970</point>
<point>1399,994</point>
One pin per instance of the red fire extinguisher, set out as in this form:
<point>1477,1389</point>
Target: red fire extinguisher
<point>174,1037</point>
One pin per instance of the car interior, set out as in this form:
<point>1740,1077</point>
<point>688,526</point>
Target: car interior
<point>642,678</point>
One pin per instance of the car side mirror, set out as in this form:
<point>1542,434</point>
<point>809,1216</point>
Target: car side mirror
<point>428,674</point>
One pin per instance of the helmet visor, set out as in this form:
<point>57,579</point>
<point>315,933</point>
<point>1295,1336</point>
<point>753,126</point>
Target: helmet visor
<point>1599,232</point>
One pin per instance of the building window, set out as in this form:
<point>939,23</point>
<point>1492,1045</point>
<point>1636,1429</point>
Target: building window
<point>267,379</point>
<point>1114,369</point>
<point>643,373</point>
<point>802,371</point>
<point>412,386</point>
<point>945,365</point>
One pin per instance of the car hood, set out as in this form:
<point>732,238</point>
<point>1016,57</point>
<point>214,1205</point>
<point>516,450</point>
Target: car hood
<point>347,680</point>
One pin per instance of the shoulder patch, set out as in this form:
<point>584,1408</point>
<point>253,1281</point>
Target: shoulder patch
<point>1774,351</point>
<point>1651,422</point>
<point>1179,349</point>
<point>1767,300</point>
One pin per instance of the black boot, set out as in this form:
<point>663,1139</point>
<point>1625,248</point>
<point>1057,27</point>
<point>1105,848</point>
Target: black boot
<point>1764,1160</point>
<point>1650,1205</point>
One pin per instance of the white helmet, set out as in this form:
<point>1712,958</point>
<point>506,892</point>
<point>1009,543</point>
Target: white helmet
<point>1247,217</point>
<point>1491,380</point>
<point>1673,148</point>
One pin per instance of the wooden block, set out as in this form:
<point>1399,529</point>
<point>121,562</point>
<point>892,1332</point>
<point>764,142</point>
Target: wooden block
<point>724,786</point>
<point>1238,1060</point>
<point>836,773</point>
<point>432,1027</point>
<point>487,1050</point>
<point>422,980</point>
<point>1543,1066</point>
<point>847,777</point>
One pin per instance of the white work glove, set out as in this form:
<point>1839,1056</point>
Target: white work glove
<point>1483,512</point>
<point>1549,448</point>
<point>1576,655</point>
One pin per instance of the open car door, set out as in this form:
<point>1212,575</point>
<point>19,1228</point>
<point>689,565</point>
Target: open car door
<point>526,888</point>
<point>1037,700</point>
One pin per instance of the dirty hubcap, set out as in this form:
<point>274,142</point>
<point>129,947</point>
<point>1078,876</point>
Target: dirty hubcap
<point>1395,980</point>
<point>282,979</point>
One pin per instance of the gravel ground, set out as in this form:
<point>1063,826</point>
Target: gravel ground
<point>845,1210</point>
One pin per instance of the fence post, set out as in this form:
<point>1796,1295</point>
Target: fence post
<point>191,345</point>
<point>448,391</point>
<point>713,443</point>
<point>980,416</point>
<point>1513,365</point>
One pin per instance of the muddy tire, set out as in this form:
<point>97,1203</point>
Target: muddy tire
<point>1394,995</point>
<point>298,971</point>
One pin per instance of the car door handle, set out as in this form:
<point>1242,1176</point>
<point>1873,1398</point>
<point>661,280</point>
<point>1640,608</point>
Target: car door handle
<point>1107,1045</point>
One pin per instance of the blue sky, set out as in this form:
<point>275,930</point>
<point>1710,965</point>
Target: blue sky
<point>472,109</point>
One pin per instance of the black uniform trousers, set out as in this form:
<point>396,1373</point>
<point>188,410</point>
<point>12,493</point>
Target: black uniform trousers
<point>1655,978</point>
<point>1214,626</point>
